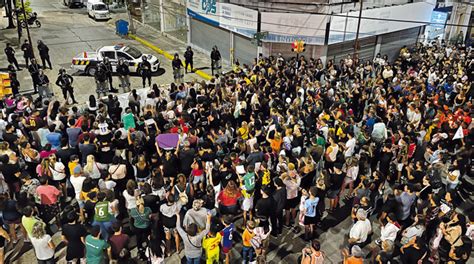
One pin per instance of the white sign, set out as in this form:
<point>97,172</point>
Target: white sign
<point>345,28</point>
<point>288,27</point>
<point>235,18</point>
<point>238,19</point>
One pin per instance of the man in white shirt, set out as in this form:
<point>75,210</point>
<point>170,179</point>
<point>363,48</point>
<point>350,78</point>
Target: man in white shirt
<point>361,229</point>
<point>350,145</point>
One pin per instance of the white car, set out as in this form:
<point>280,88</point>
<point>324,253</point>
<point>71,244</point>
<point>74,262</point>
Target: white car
<point>88,61</point>
<point>98,10</point>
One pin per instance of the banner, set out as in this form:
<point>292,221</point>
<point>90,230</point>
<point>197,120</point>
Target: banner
<point>234,18</point>
<point>288,27</point>
<point>413,15</point>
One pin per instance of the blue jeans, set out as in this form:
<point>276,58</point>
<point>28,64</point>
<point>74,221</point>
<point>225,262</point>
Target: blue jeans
<point>105,228</point>
<point>247,254</point>
<point>193,260</point>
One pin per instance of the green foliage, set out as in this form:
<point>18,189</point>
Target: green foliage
<point>28,8</point>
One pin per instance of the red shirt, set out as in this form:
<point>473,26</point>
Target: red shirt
<point>226,200</point>
<point>48,194</point>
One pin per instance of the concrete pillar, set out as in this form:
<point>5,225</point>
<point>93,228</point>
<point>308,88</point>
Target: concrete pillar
<point>232,48</point>
<point>188,23</point>
<point>378,44</point>
<point>162,17</point>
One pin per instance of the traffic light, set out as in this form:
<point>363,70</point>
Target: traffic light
<point>294,46</point>
<point>298,46</point>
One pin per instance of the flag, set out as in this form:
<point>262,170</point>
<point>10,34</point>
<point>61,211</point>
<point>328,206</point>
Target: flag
<point>459,133</point>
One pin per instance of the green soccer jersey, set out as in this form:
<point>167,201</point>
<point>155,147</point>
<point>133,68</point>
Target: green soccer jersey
<point>95,250</point>
<point>249,181</point>
<point>102,212</point>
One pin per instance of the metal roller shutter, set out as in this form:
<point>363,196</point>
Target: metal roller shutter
<point>244,50</point>
<point>339,51</point>
<point>206,36</point>
<point>393,42</point>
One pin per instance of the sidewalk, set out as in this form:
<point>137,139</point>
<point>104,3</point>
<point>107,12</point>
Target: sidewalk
<point>168,46</point>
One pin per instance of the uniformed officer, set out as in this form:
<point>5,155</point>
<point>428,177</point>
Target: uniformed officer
<point>188,59</point>
<point>43,85</point>
<point>144,69</point>
<point>27,52</point>
<point>14,83</point>
<point>10,53</point>
<point>44,54</point>
<point>34,69</point>
<point>65,81</point>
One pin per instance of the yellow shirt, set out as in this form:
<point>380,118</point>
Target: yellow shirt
<point>71,165</point>
<point>244,133</point>
<point>266,177</point>
<point>211,245</point>
<point>246,237</point>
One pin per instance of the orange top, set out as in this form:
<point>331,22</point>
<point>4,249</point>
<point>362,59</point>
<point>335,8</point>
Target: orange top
<point>353,260</point>
<point>276,145</point>
<point>246,237</point>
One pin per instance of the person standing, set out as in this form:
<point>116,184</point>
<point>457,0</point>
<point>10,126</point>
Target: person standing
<point>188,58</point>
<point>144,69</point>
<point>44,54</point>
<point>43,244</point>
<point>43,84</point>
<point>10,53</point>
<point>108,72</point>
<point>215,59</point>
<point>27,52</point>
<point>73,233</point>
<point>100,79</point>
<point>65,82</point>
<point>176,64</point>
<point>14,83</point>
<point>34,69</point>
<point>96,247</point>
<point>124,75</point>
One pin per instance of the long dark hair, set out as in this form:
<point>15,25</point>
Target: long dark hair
<point>92,101</point>
<point>155,243</point>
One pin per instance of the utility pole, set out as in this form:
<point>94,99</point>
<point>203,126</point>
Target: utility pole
<point>356,43</point>
<point>27,27</point>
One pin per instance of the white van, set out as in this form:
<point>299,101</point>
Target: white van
<point>97,10</point>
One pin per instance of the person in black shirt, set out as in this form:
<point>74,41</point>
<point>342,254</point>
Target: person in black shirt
<point>34,70</point>
<point>186,158</point>
<point>10,53</point>
<point>108,73</point>
<point>27,52</point>
<point>73,233</point>
<point>188,58</point>
<point>279,196</point>
<point>176,64</point>
<point>44,54</point>
<point>144,69</point>
<point>169,161</point>
<point>336,178</point>
<point>215,59</point>
<point>11,172</point>
<point>264,206</point>
<point>124,74</point>
<point>65,82</point>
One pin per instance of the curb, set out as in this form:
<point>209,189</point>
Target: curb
<point>166,54</point>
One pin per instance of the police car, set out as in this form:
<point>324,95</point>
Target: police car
<point>88,61</point>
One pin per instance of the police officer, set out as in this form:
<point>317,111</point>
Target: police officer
<point>44,54</point>
<point>215,59</point>
<point>27,52</point>
<point>124,74</point>
<point>108,71</point>
<point>101,80</point>
<point>188,58</point>
<point>65,82</point>
<point>144,69</point>
<point>10,53</point>
<point>34,69</point>
<point>176,64</point>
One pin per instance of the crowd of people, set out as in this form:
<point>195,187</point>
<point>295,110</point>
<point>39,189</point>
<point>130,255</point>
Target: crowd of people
<point>269,147</point>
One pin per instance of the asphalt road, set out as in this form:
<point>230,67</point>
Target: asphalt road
<point>68,32</point>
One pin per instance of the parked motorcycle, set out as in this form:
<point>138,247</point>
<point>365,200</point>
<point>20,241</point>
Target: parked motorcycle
<point>31,20</point>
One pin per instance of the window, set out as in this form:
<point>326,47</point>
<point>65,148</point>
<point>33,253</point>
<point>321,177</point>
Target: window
<point>123,55</point>
<point>109,54</point>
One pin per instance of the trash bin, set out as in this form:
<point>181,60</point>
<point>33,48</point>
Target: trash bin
<point>121,27</point>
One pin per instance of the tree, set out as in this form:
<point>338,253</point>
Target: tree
<point>28,9</point>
